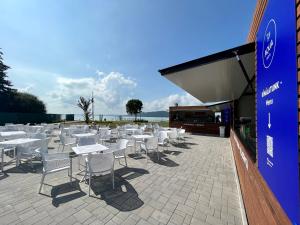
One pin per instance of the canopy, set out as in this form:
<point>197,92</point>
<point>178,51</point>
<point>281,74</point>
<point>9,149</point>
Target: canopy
<point>223,76</point>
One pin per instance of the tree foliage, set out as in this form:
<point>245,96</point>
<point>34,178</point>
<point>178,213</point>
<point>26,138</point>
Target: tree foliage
<point>134,106</point>
<point>84,104</point>
<point>13,101</point>
<point>5,85</point>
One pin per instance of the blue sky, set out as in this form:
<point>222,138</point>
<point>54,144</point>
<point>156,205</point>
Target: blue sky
<point>60,50</point>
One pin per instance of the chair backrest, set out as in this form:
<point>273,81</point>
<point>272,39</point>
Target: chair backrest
<point>121,133</point>
<point>87,141</point>
<point>122,144</point>
<point>37,135</point>
<point>103,132</point>
<point>44,145</point>
<point>151,143</point>
<point>181,131</point>
<point>138,132</point>
<point>162,135</point>
<point>173,134</point>
<point>100,162</point>
<point>29,148</point>
<point>94,131</point>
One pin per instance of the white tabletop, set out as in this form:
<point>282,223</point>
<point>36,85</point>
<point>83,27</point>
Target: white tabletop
<point>37,126</point>
<point>19,141</point>
<point>12,133</point>
<point>83,135</point>
<point>132,129</point>
<point>142,136</point>
<point>79,150</point>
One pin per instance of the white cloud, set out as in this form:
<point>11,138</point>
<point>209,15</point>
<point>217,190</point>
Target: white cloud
<point>100,73</point>
<point>111,91</point>
<point>28,88</point>
<point>165,102</point>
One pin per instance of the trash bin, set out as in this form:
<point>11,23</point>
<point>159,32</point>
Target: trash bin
<point>222,131</point>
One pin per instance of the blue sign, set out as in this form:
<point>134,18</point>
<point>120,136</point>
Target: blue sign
<point>277,104</point>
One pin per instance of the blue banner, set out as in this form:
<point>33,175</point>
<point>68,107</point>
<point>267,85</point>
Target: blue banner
<point>277,104</point>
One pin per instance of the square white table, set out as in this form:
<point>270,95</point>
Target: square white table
<point>17,142</point>
<point>86,149</point>
<point>140,138</point>
<point>83,135</point>
<point>12,134</point>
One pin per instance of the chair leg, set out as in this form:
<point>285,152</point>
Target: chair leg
<point>125,159</point>
<point>90,184</point>
<point>157,154</point>
<point>2,160</point>
<point>113,179</point>
<point>42,181</point>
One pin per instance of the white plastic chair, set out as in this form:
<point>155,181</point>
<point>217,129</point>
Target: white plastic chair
<point>56,162</point>
<point>173,136</point>
<point>37,135</point>
<point>100,164</point>
<point>105,136</point>
<point>66,141</point>
<point>91,140</point>
<point>163,139</point>
<point>6,151</point>
<point>119,150</point>
<point>181,135</point>
<point>30,151</point>
<point>151,144</point>
<point>82,142</point>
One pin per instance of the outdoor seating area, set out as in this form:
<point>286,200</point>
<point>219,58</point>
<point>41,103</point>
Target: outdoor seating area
<point>132,174</point>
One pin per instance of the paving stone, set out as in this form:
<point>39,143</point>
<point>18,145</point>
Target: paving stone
<point>194,184</point>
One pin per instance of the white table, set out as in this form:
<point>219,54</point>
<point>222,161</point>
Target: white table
<point>17,142</point>
<point>12,134</point>
<point>140,138</point>
<point>86,149</point>
<point>131,129</point>
<point>83,135</point>
<point>35,128</point>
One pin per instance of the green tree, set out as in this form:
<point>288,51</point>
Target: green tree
<point>13,101</point>
<point>26,103</point>
<point>5,85</point>
<point>134,106</point>
<point>84,104</point>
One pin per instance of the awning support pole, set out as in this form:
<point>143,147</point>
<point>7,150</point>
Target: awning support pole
<point>244,70</point>
<point>245,90</point>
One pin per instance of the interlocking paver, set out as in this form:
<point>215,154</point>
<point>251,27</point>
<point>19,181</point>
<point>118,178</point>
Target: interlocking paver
<point>193,183</point>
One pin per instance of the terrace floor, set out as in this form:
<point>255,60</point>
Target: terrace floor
<point>193,183</point>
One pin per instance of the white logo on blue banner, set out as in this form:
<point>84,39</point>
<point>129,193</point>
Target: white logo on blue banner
<point>269,44</point>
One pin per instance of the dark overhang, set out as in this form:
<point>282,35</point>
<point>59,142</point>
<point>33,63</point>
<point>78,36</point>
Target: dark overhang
<point>219,77</point>
<point>241,50</point>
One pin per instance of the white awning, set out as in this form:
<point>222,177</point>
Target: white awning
<point>218,77</point>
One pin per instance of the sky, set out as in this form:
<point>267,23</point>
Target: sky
<point>59,50</point>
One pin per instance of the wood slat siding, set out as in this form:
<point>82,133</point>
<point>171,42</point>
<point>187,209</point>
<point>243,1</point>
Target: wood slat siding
<point>258,13</point>
<point>262,208</point>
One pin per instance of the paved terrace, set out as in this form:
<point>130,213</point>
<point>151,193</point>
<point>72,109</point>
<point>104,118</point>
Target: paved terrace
<point>193,183</point>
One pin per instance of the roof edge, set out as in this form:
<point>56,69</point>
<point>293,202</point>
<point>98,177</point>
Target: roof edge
<point>241,50</point>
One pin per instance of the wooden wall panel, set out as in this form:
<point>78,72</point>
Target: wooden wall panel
<point>258,13</point>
